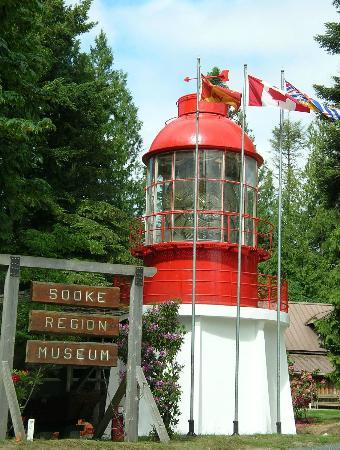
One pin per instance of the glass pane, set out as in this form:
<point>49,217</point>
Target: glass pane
<point>231,197</point>
<point>231,229</point>
<point>209,227</point>
<point>249,232</point>
<point>164,164</point>
<point>183,227</point>
<point>150,171</point>
<point>250,202</point>
<point>158,231</point>
<point>163,197</point>
<point>149,230</point>
<point>149,200</point>
<point>210,195</point>
<point>211,164</point>
<point>184,165</point>
<point>232,166</point>
<point>184,195</point>
<point>251,175</point>
<point>167,228</point>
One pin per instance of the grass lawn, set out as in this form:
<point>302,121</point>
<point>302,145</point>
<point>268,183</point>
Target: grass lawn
<point>198,443</point>
<point>324,415</point>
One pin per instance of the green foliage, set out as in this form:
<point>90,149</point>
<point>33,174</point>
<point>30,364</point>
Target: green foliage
<point>69,138</point>
<point>293,141</point>
<point>162,339</point>
<point>325,167</point>
<point>330,41</point>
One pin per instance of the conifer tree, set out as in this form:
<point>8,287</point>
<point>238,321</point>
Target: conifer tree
<point>70,137</point>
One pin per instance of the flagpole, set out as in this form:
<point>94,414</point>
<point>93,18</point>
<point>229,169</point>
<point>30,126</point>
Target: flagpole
<point>278,312</point>
<point>194,259</point>
<point>239,254</point>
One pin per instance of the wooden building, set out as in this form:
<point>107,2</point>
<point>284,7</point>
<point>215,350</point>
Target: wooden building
<point>304,346</point>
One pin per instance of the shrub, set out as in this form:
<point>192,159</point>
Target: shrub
<point>161,341</point>
<point>25,382</point>
<point>303,387</point>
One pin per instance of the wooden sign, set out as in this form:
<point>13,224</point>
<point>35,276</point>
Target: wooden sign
<point>75,295</point>
<point>73,323</point>
<point>71,353</point>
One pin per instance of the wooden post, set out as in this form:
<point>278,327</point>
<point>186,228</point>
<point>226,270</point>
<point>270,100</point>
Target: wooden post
<point>150,401</point>
<point>97,389</point>
<point>110,411</point>
<point>12,401</point>
<point>134,356</point>
<point>69,378</point>
<point>8,328</point>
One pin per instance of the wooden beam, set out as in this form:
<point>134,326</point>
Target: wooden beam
<point>150,401</point>
<point>8,328</point>
<point>83,380</point>
<point>134,356</point>
<point>12,402</point>
<point>110,411</point>
<point>78,266</point>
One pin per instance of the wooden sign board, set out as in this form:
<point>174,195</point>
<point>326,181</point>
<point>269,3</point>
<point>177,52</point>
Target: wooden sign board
<point>73,323</point>
<point>71,353</point>
<point>76,295</point>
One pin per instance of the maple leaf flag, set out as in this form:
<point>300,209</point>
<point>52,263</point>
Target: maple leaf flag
<point>262,94</point>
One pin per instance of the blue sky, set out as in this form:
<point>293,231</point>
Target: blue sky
<point>156,42</point>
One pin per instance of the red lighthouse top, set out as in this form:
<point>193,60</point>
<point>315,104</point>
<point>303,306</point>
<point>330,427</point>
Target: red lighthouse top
<point>164,238</point>
<point>216,130</point>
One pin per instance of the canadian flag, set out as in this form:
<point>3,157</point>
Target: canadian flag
<point>262,94</point>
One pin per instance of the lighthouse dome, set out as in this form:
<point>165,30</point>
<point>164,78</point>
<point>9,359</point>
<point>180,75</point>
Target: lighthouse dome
<point>216,130</point>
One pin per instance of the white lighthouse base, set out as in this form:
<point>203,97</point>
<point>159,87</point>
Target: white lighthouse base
<point>214,376</point>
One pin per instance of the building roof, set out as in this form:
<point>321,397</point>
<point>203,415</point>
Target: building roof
<point>301,340</point>
<point>310,363</point>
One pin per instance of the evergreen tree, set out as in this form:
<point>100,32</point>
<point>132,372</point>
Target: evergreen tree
<point>328,137</point>
<point>22,124</point>
<point>69,137</point>
<point>325,167</point>
<point>303,265</point>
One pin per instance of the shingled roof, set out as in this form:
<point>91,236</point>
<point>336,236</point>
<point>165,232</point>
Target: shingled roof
<point>301,340</point>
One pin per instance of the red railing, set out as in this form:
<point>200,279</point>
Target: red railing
<point>267,292</point>
<point>213,226</point>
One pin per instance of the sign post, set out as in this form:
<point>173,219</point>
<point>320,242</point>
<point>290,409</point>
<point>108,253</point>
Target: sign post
<point>8,329</point>
<point>71,353</point>
<point>12,401</point>
<point>134,357</point>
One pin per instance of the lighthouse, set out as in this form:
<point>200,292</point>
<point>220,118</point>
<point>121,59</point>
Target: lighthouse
<point>165,241</point>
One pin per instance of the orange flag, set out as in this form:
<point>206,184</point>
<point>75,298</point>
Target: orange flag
<point>219,94</point>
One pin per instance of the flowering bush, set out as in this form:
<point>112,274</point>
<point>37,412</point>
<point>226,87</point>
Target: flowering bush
<point>161,340</point>
<point>303,387</point>
<point>25,382</point>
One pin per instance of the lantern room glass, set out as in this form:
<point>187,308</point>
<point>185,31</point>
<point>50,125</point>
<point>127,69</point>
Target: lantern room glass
<point>170,197</point>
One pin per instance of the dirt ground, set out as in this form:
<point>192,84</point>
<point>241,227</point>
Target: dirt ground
<point>319,428</point>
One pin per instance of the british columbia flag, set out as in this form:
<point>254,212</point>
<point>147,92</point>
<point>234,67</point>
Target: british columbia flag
<point>330,112</point>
